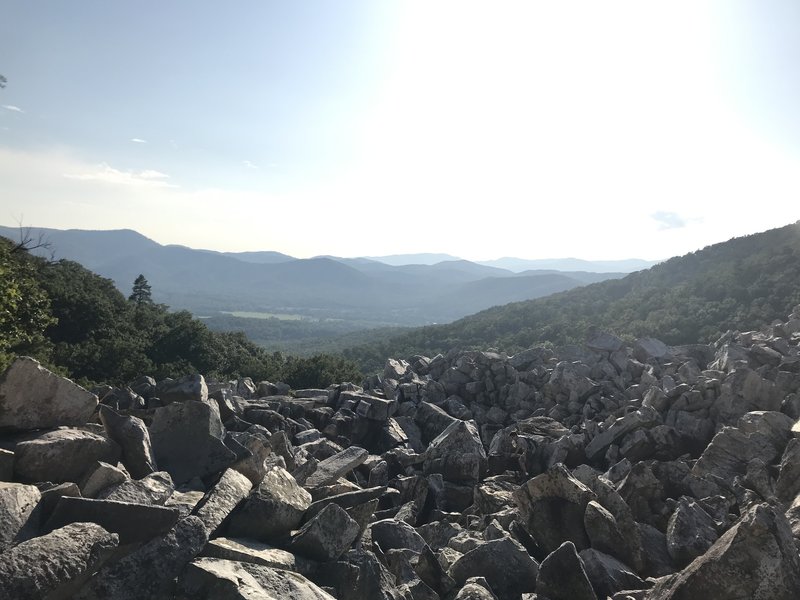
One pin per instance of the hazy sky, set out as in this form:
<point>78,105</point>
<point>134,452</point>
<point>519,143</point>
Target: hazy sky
<point>535,129</point>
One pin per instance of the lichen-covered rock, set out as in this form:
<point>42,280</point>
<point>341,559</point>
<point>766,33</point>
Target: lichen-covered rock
<point>63,455</point>
<point>17,502</point>
<point>755,559</point>
<point>150,571</point>
<point>552,506</point>
<point>327,536</point>
<point>54,566</point>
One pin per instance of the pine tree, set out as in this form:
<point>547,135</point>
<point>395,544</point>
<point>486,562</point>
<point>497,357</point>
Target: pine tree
<point>142,294</point>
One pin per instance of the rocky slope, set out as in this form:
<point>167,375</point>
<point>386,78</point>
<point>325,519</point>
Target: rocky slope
<point>602,471</point>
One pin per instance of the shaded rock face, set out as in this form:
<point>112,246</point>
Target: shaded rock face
<point>187,440</point>
<point>615,471</point>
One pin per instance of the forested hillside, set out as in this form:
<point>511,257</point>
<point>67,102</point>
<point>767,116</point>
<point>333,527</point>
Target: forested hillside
<point>740,284</point>
<point>79,323</point>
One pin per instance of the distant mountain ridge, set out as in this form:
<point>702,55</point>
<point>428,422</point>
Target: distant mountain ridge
<point>745,283</point>
<point>207,281</point>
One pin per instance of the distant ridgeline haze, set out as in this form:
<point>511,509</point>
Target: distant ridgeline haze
<point>304,305</point>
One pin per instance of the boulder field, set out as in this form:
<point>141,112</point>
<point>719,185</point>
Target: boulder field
<point>623,470</point>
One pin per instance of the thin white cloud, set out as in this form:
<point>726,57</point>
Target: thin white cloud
<point>668,220</point>
<point>249,164</point>
<point>107,174</point>
<point>13,108</point>
<point>138,141</point>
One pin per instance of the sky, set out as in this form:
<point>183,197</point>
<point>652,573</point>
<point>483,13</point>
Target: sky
<point>597,130</point>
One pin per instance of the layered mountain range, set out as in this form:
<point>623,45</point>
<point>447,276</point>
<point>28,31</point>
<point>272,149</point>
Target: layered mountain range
<point>393,290</point>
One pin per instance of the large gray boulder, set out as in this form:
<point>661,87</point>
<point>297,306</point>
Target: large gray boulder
<point>690,532</point>
<point>148,572</point>
<point>338,465</point>
<point>17,502</point>
<point>54,566</point>
<point>457,453</point>
<point>755,559</point>
<point>189,387</point>
<point>132,522</point>
<point>218,579</point>
<point>506,565</point>
<point>231,489</point>
<point>156,488</point>
<point>187,440</point>
<point>562,576</point>
<point>31,397</point>
<point>327,536</point>
<point>273,509</point>
<point>133,438</point>
<point>552,506</point>
<point>608,575</point>
<point>643,418</point>
<point>63,455</point>
<point>391,534</point>
<point>742,391</point>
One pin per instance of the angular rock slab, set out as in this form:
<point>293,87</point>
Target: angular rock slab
<point>338,465</point>
<point>101,478</point>
<point>133,438</point>
<point>132,522</point>
<point>218,579</point>
<point>31,397</point>
<point>608,575</point>
<point>506,565</point>
<point>229,491</point>
<point>148,572</point>
<point>17,502</point>
<point>552,506</point>
<point>189,387</point>
<point>327,536</point>
<point>690,532</point>
<point>187,440</point>
<point>63,455</point>
<point>754,559</point>
<point>257,553</point>
<point>55,565</point>
<point>273,509</point>
<point>390,534</point>
<point>457,453</point>
<point>562,576</point>
<point>156,489</point>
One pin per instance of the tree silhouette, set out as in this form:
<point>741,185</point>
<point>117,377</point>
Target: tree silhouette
<point>142,294</point>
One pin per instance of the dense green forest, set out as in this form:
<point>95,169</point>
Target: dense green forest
<point>741,284</point>
<point>79,324</point>
<point>303,336</point>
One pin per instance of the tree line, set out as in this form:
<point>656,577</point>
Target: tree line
<point>743,284</point>
<point>82,326</point>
